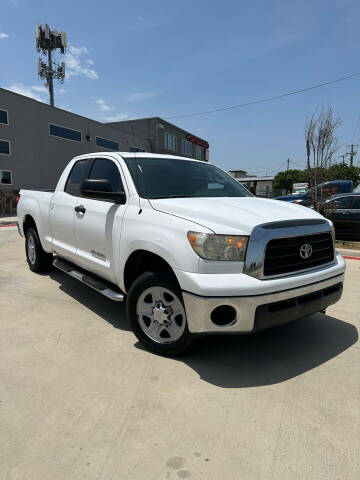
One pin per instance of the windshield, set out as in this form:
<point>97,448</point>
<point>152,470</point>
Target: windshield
<point>170,178</point>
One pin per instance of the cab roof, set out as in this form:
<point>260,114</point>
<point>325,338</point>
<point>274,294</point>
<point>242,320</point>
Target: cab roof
<point>153,155</point>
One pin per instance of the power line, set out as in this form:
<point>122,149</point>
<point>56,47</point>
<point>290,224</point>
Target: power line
<point>356,127</point>
<point>298,164</point>
<point>268,99</point>
<point>273,166</point>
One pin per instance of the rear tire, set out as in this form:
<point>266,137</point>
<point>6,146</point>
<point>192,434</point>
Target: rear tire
<point>156,312</point>
<point>37,259</point>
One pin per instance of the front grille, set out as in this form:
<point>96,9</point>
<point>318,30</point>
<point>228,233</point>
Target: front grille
<point>282,255</point>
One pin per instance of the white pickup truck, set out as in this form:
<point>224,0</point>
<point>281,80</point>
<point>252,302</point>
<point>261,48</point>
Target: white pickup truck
<point>189,248</point>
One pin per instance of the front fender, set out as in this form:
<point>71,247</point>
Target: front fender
<point>158,233</point>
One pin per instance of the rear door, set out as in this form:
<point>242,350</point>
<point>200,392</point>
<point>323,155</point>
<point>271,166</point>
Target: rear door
<point>98,225</point>
<point>62,210</point>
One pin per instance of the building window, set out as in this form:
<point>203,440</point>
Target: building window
<point>63,132</point>
<point>4,117</point>
<point>187,147</point>
<point>105,143</point>
<point>137,149</point>
<point>4,147</point>
<point>200,152</point>
<point>5,177</point>
<point>170,141</point>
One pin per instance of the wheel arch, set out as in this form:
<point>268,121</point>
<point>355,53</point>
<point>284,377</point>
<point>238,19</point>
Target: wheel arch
<point>141,261</point>
<point>29,222</point>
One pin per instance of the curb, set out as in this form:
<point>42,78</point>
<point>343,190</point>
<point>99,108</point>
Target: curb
<point>349,253</point>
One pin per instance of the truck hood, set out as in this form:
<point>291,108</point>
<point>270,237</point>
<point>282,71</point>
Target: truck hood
<point>230,215</point>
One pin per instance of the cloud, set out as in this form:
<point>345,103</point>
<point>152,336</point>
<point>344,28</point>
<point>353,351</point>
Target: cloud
<point>140,19</point>
<point>140,96</point>
<point>36,92</point>
<point>108,113</point>
<point>103,106</point>
<point>3,35</point>
<point>116,117</point>
<point>76,65</point>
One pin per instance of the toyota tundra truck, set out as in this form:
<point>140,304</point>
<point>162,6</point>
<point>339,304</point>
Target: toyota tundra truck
<point>188,248</point>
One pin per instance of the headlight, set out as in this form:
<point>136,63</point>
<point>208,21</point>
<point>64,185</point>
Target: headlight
<point>218,247</point>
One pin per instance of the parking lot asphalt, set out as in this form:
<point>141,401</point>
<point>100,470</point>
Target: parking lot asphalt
<point>81,399</point>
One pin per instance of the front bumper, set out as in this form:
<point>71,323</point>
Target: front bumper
<point>255,312</point>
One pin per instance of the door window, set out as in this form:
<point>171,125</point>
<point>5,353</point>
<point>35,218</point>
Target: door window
<point>104,169</point>
<point>342,202</point>
<point>356,203</point>
<point>78,174</point>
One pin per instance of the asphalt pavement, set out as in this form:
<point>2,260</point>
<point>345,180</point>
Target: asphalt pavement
<point>81,399</point>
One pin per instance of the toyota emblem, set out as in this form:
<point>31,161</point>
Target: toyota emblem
<point>305,250</point>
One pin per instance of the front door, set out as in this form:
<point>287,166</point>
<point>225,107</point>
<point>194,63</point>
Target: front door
<point>341,216</point>
<point>354,219</point>
<point>62,211</point>
<point>98,224</point>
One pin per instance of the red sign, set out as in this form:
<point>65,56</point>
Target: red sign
<point>198,141</point>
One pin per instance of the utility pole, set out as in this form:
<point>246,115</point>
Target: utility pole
<point>288,162</point>
<point>352,153</point>
<point>46,41</point>
<point>343,158</point>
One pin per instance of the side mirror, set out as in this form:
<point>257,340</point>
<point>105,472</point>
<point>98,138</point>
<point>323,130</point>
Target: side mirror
<point>101,190</point>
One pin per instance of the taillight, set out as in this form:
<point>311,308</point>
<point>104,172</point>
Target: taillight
<point>296,201</point>
<point>17,199</point>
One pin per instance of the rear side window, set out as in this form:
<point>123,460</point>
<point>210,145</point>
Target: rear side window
<point>104,169</point>
<point>78,174</point>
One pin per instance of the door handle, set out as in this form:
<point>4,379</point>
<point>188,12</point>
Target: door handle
<point>80,209</point>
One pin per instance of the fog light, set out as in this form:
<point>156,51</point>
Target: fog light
<point>223,315</point>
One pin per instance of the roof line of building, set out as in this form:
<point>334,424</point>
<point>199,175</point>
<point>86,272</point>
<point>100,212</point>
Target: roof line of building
<point>106,124</point>
<point>154,118</point>
<point>103,124</point>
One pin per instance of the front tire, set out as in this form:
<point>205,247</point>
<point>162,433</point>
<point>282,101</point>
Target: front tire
<point>38,260</point>
<point>156,312</point>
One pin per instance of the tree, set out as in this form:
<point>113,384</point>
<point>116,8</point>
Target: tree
<point>321,145</point>
<point>342,171</point>
<point>285,180</point>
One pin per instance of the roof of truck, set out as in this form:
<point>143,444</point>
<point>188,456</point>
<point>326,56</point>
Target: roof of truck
<point>153,155</point>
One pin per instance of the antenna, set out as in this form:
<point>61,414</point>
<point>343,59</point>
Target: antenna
<point>46,42</point>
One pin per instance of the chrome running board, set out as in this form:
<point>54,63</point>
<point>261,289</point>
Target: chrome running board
<point>101,286</point>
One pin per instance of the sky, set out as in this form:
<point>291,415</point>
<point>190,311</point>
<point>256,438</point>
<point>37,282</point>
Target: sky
<point>133,59</point>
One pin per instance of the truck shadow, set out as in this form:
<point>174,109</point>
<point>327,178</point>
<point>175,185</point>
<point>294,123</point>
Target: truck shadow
<point>112,312</point>
<point>272,356</point>
<point>240,361</point>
